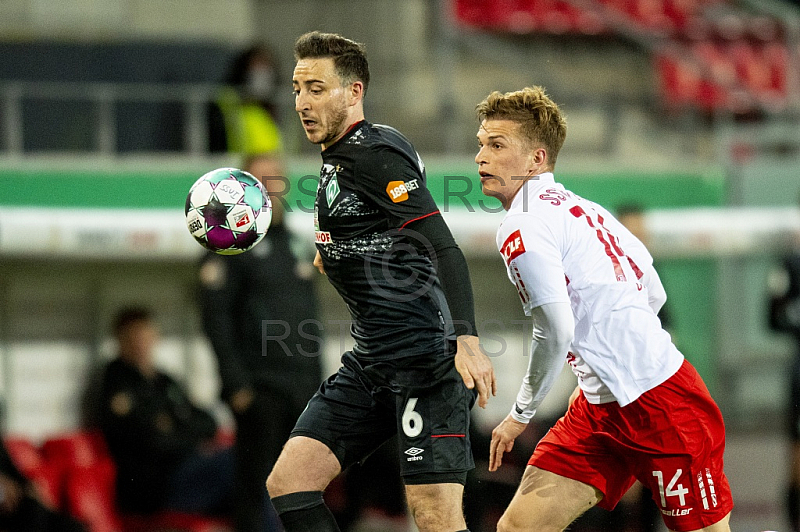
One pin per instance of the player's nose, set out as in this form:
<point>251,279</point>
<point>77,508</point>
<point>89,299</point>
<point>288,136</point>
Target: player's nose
<point>300,103</point>
<point>479,157</point>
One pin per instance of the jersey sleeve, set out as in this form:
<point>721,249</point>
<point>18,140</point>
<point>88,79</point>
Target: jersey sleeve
<point>553,331</point>
<point>532,255</point>
<point>396,185</point>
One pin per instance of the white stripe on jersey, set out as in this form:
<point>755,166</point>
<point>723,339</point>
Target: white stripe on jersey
<point>702,486</point>
<point>559,247</point>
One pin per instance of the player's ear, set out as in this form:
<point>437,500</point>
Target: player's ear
<point>538,158</point>
<point>356,92</point>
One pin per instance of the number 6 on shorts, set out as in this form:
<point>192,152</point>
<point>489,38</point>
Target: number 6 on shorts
<point>412,421</point>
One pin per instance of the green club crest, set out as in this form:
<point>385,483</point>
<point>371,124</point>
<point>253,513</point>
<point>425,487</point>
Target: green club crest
<point>332,190</point>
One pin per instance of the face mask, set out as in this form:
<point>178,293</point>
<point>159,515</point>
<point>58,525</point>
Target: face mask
<point>260,82</point>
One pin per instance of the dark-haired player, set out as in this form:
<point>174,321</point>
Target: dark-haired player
<point>386,249</point>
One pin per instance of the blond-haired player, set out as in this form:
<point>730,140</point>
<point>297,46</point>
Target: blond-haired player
<point>641,411</point>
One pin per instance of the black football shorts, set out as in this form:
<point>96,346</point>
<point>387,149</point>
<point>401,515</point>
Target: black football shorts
<point>353,418</point>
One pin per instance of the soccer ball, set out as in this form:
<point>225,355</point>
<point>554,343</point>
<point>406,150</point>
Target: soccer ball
<point>228,211</point>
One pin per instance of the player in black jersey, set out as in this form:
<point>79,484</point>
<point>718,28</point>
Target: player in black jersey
<point>416,367</point>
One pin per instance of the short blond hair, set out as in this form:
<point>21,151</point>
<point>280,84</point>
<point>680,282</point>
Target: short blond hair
<point>539,118</point>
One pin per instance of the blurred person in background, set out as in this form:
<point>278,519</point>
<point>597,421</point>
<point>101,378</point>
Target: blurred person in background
<point>243,119</point>
<point>21,508</point>
<point>784,317</point>
<point>640,411</point>
<point>259,310</point>
<point>161,443</point>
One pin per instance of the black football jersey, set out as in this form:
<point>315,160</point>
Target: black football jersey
<point>372,185</point>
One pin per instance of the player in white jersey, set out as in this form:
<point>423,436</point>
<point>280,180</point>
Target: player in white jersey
<point>640,411</point>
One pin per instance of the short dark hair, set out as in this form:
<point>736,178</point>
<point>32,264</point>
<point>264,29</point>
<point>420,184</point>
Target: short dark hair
<point>349,57</point>
<point>129,315</point>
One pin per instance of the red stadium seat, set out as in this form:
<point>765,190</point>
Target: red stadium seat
<point>679,12</point>
<point>47,478</point>
<point>49,483</point>
<point>89,495</point>
<point>24,453</point>
<point>776,55</point>
<point>174,522</point>
<point>679,84</point>
<point>735,60</point>
<point>76,472</point>
<point>78,449</point>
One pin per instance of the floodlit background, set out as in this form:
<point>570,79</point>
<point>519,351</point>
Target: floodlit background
<point>687,107</point>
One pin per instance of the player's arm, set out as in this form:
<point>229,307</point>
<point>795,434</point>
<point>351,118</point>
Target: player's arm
<point>553,331</point>
<point>656,295</point>
<point>531,247</point>
<point>472,363</point>
<point>318,263</point>
<point>218,291</point>
<point>396,184</point>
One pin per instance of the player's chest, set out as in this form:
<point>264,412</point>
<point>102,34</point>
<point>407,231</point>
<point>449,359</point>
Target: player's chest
<point>339,197</point>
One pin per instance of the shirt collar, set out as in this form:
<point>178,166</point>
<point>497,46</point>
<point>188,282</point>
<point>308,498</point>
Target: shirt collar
<point>533,181</point>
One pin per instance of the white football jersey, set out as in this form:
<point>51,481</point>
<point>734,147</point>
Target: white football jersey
<point>559,247</point>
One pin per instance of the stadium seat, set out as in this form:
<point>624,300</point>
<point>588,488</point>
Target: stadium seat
<point>77,449</point>
<point>175,522</point>
<point>89,496</point>
<point>45,476</point>
<point>679,83</point>
<point>24,453</point>
<point>83,462</point>
<point>527,16</point>
<point>49,483</point>
<point>735,60</point>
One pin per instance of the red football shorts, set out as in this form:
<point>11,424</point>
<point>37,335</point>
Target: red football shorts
<point>671,438</point>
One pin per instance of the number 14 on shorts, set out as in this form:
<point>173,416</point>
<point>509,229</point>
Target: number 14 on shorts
<point>673,488</point>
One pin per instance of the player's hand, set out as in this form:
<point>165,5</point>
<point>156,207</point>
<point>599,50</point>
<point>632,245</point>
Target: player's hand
<point>503,437</point>
<point>475,368</point>
<point>241,400</point>
<point>318,263</point>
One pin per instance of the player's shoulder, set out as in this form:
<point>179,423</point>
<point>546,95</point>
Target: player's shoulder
<point>537,214</point>
<point>386,155</point>
<point>515,224</point>
<point>383,134</point>
<point>386,141</point>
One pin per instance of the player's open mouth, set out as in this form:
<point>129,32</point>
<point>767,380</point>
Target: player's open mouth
<point>308,124</point>
<point>485,176</point>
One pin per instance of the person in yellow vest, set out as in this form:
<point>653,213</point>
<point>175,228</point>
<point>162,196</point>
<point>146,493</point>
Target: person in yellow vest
<point>243,118</point>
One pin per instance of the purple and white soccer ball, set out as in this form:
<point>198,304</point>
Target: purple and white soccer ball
<point>228,211</point>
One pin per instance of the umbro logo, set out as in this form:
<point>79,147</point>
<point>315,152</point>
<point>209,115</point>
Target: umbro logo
<point>413,454</point>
